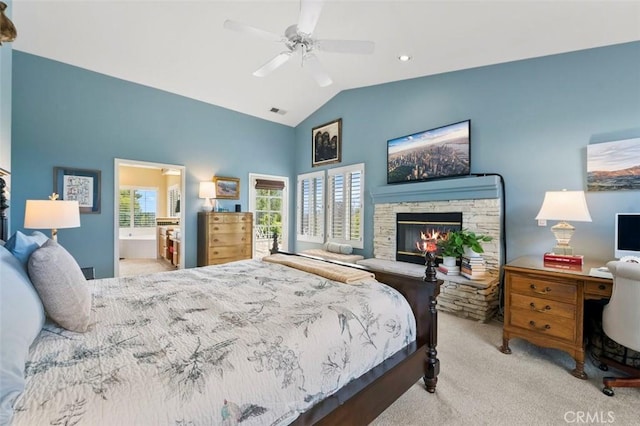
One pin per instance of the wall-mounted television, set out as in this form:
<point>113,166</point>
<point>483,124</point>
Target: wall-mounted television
<point>438,153</point>
<point>627,235</point>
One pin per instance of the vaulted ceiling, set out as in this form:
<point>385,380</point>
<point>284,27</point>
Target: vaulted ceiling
<point>181,46</point>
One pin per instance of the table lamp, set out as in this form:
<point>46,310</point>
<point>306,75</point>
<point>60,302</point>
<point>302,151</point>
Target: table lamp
<point>51,214</point>
<point>564,206</point>
<point>208,192</point>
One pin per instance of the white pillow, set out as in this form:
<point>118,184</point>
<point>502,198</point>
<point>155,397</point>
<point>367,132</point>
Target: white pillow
<point>338,248</point>
<point>21,319</point>
<point>61,286</point>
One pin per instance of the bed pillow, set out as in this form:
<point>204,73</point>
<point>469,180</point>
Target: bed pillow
<point>21,245</point>
<point>61,285</point>
<point>338,248</point>
<point>21,318</point>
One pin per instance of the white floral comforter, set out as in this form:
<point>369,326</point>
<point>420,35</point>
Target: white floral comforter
<point>246,343</point>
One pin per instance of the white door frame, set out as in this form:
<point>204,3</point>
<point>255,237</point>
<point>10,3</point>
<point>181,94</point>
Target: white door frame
<point>116,206</point>
<point>285,204</point>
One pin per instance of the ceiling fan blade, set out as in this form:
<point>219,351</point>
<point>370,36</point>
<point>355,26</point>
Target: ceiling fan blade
<point>346,46</point>
<point>274,63</point>
<point>316,70</point>
<point>248,29</point>
<point>309,14</point>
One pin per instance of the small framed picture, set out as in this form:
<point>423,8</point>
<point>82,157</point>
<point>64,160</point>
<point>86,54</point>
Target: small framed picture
<point>80,185</point>
<point>227,188</point>
<point>326,143</point>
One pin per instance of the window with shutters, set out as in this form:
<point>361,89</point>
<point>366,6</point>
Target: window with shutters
<point>345,189</point>
<point>138,207</point>
<point>310,207</point>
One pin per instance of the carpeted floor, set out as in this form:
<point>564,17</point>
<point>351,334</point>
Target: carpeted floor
<point>479,385</point>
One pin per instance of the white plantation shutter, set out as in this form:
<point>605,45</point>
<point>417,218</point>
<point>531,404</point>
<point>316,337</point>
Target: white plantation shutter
<point>310,207</point>
<point>345,189</point>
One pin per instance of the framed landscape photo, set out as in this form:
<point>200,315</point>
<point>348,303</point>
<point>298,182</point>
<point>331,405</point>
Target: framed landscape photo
<point>326,143</point>
<point>614,166</point>
<point>80,185</point>
<point>438,153</point>
<point>227,188</point>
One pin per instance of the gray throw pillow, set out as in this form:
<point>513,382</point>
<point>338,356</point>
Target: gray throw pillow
<point>61,285</point>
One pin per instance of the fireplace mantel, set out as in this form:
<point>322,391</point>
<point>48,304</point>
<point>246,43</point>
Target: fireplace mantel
<point>464,188</point>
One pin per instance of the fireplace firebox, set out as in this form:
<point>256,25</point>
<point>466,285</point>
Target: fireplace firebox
<point>412,229</point>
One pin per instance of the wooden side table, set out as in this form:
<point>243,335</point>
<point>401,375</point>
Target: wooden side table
<point>544,304</point>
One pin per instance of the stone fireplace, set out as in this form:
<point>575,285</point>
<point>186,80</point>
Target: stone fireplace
<point>412,229</point>
<point>478,200</point>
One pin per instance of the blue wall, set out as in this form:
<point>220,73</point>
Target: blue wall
<point>531,123</point>
<point>67,116</point>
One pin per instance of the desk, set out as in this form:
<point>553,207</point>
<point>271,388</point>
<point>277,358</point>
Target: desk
<point>545,305</point>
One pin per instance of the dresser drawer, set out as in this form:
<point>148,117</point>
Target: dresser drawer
<point>544,324</point>
<point>543,306</point>
<point>229,228</point>
<point>229,239</point>
<point>229,218</point>
<point>547,289</point>
<point>598,289</point>
<point>238,251</point>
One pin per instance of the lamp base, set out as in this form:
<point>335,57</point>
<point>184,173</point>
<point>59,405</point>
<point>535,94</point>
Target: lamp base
<point>207,206</point>
<point>564,250</point>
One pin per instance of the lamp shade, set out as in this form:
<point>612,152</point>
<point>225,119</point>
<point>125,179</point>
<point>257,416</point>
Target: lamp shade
<point>207,190</point>
<point>51,214</point>
<point>564,205</point>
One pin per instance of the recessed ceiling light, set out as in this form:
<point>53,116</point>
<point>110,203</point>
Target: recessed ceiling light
<point>404,58</point>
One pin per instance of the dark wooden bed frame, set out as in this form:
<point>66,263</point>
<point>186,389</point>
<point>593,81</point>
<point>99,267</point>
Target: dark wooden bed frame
<point>364,398</point>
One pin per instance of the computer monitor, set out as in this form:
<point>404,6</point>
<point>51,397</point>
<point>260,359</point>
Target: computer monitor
<point>627,235</point>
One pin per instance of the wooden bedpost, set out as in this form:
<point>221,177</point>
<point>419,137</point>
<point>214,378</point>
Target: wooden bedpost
<point>432,367</point>
<point>4,222</point>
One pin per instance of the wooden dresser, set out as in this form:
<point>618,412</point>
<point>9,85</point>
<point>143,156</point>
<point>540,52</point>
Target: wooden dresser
<point>544,304</point>
<point>224,237</point>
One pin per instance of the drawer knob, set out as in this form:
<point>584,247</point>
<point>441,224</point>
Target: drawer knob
<point>545,309</point>
<point>535,289</point>
<point>602,287</point>
<point>543,328</point>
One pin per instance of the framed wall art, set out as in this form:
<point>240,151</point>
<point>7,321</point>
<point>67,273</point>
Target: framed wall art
<point>80,185</point>
<point>227,188</point>
<point>438,153</point>
<point>613,166</point>
<point>326,143</point>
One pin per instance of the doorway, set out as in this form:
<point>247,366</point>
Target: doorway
<point>268,197</point>
<point>149,217</point>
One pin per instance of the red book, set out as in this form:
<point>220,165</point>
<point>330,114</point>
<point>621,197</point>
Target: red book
<point>566,266</point>
<point>573,259</point>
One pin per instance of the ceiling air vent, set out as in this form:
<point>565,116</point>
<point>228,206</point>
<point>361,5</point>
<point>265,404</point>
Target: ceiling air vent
<point>278,111</point>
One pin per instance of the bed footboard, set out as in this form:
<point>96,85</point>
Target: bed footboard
<point>363,399</point>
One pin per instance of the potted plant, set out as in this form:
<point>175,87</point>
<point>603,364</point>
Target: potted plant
<point>472,242</point>
<point>451,247</point>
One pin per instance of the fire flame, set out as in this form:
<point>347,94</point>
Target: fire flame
<point>428,241</point>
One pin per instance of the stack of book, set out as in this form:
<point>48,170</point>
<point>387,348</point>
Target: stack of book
<point>449,270</point>
<point>567,259</point>
<point>473,267</point>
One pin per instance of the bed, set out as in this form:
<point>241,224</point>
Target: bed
<point>159,332</point>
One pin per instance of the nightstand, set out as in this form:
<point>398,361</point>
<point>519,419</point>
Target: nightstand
<point>544,304</point>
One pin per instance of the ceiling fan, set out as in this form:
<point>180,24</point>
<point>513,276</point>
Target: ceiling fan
<point>298,39</point>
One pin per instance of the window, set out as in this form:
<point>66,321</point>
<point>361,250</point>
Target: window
<point>310,207</point>
<point>345,204</point>
<point>344,210</point>
<point>138,207</point>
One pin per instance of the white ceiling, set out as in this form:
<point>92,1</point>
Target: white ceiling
<point>181,46</point>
